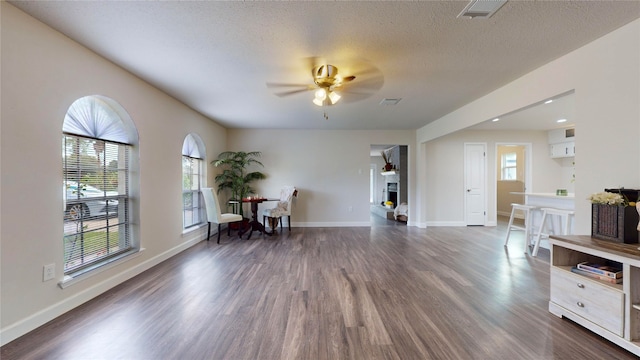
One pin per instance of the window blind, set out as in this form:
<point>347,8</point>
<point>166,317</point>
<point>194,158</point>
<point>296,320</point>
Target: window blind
<point>192,203</point>
<point>96,201</point>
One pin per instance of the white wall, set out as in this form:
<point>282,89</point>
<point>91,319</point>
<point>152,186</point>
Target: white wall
<point>43,72</point>
<point>445,171</point>
<point>330,169</point>
<point>606,77</point>
<point>380,190</point>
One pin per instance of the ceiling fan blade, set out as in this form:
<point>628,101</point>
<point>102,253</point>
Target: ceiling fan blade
<point>360,89</point>
<point>349,97</point>
<point>348,78</point>
<point>277,85</point>
<point>362,69</point>
<point>292,92</point>
<point>357,79</point>
<point>371,84</point>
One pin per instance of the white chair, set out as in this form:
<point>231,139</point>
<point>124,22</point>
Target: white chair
<point>526,211</point>
<point>283,208</point>
<point>214,215</point>
<point>565,225</point>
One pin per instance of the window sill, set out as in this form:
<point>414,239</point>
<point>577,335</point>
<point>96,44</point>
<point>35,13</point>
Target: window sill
<point>193,228</point>
<point>75,278</point>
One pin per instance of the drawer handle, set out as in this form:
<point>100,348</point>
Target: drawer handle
<point>581,286</point>
<point>580,304</point>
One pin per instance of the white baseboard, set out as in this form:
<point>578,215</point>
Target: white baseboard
<point>518,215</point>
<point>421,225</point>
<point>457,223</point>
<point>446,223</point>
<point>331,224</point>
<point>21,327</point>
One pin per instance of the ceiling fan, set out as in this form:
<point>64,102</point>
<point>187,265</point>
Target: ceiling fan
<point>330,84</point>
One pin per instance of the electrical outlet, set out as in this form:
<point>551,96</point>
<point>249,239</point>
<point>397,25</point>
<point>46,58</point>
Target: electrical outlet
<point>350,208</point>
<point>48,272</point>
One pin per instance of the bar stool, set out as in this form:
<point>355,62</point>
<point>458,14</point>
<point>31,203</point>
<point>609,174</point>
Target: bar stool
<point>563,215</point>
<point>526,211</point>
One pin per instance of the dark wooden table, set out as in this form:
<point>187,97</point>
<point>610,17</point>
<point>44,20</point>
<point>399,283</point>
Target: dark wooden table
<point>254,224</point>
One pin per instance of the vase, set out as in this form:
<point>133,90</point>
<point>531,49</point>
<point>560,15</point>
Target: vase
<point>388,167</point>
<point>614,223</point>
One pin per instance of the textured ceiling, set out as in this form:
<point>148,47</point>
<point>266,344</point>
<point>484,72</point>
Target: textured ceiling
<point>217,57</point>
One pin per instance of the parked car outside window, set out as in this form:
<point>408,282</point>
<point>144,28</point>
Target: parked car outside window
<point>86,201</point>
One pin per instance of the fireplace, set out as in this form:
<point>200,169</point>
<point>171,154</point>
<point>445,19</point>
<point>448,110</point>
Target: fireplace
<point>392,193</point>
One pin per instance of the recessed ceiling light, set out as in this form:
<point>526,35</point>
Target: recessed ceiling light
<point>496,119</point>
<point>548,101</point>
<point>561,120</point>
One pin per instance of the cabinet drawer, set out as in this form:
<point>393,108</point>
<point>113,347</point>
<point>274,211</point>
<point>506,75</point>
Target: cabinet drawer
<point>598,303</point>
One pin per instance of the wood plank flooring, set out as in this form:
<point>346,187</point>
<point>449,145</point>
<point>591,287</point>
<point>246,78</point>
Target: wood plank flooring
<point>386,292</point>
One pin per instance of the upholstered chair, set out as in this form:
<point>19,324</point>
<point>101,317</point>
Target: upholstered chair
<point>214,215</point>
<point>283,208</point>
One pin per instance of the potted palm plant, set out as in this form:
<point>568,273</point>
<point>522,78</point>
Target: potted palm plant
<point>235,177</point>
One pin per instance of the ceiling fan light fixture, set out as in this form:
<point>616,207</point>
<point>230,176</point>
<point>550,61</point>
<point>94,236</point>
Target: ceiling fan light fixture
<point>327,80</point>
<point>325,96</point>
<point>320,97</point>
<point>334,97</point>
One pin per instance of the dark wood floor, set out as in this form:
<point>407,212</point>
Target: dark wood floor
<point>386,292</point>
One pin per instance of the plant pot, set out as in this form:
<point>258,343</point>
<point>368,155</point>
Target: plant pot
<point>614,223</point>
<point>388,167</point>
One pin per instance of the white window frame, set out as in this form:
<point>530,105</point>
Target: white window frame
<point>193,212</point>
<point>94,239</point>
<point>509,166</point>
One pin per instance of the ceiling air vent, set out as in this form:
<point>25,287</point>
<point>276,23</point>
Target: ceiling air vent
<point>483,9</point>
<point>388,101</point>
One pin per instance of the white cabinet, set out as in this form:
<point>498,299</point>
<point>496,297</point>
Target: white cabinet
<point>565,149</point>
<point>561,135</point>
<point>561,142</point>
<point>599,303</point>
<point>609,310</point>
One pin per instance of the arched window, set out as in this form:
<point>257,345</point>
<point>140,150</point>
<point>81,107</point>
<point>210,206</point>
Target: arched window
<point>192,179</point>
<point>96,153</point>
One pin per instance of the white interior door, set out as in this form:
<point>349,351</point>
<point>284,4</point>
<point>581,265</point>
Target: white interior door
<point>475,180</point>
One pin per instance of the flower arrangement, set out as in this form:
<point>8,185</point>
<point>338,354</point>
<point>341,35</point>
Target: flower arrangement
<point>614,216</point>
<point>607,198</point>
<point>386,156</point>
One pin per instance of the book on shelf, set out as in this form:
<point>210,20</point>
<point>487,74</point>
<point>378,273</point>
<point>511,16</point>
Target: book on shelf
<point>596,276</point>
<point>611,271</point>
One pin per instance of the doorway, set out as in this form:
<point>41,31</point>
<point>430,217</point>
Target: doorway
<point>513,175</point>
<point>388,185</point>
